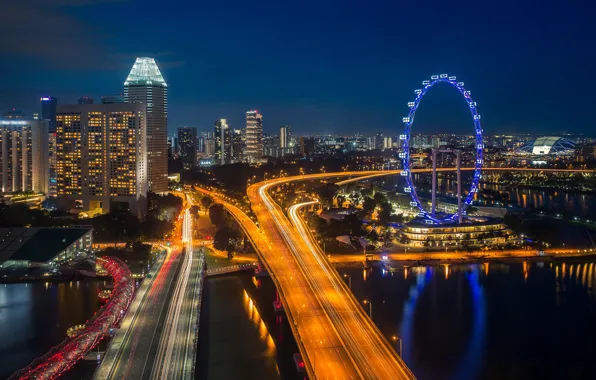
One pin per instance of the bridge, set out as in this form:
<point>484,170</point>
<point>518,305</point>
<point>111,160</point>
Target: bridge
<point>230,269</point>
<point>335,337</point>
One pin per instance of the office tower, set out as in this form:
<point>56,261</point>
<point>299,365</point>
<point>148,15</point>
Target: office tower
<point>388,143</point>
<point>36,116</point>
<point>379,141</point>
<point>285,137</point>
<point>307,146</point>
<point>101,158</point>
<point>187,139</point>
<point>13,113</point>
<point>222,142</point>
<point>85,100</point>
<point>112,99</point>
<point>253,137</point>
<point>237,146</point>
<point>48,111</point>
<point>146,85</point>
<point>24,155</point>
<point>271,146</point>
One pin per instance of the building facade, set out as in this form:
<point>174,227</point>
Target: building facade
<point>187,140</point>
<point>222,142</point>
<point>146,85</point>
<point>24,156</point>
<point>253,137</point>
<point>102,158</point>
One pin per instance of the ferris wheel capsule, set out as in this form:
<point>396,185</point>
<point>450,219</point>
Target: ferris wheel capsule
<point>411,104</point>
<point>443,76</point>
<point>425,82</point>
<point>460,84</point>
<point>434,77</point>
<point>418,91</point>
<point>453,79</point>
<point>406,119</point>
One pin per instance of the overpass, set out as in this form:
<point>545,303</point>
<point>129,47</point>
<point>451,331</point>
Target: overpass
<point>334,335</point>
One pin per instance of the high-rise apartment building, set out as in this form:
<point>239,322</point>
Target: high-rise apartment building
<point>24,155</point>
<point>146,85</point>
<point>253,136</point>
<point>307,146</point>
<point>85,100</point>
<point>222,142</point>
<point>388,142</point>
<point>187,139</point>
<point>101,158</point>
<point>285,136</point>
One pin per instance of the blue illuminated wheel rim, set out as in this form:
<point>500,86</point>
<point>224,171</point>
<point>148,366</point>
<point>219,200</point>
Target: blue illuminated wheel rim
<point>405,155</point>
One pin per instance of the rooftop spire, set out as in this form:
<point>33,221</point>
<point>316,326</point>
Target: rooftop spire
<point>145,72</point>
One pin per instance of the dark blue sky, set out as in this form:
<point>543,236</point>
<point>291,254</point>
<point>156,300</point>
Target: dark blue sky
<point>320,66</point>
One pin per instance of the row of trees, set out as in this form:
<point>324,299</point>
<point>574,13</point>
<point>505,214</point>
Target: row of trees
<point>227,236</point>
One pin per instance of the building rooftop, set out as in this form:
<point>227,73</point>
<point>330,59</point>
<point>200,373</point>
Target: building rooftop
<point>36,244</point>
<point>145,72</point>
<point>548,145</point>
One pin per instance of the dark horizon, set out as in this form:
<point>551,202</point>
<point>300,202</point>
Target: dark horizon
<point>321,68</point>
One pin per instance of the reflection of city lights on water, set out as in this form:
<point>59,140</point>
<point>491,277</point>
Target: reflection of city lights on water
<point>255,318</point>
<point>486,268</point>
<point>526,270</point>
<point>446,271</point>
<point>405,273</point>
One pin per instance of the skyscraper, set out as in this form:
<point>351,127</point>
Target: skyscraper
<point>187,139</point>
<point>223,142</point>
<point>48,111</point>
<point>253,136</point>
<point>24,155</point>
<point>101,158</point>
<point>285,136</point>
<point>237,145</point>
<point>85,100</point>
<point>146,85</point>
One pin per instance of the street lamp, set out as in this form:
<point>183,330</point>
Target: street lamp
<point>396,338</point>
<point>349,280</point>
<point>367,302</point>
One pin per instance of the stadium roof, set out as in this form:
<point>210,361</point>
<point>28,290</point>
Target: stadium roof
<point>36,244</point>
<point>145,72</point>
<point>548,145</point>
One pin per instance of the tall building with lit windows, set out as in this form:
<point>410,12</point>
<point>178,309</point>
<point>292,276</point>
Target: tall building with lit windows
<point>146,85</point>
<point>253,137</point>
<point>222,142</point>
<point>101,156</point>
<point>187,140</point>
<point>24,156</point>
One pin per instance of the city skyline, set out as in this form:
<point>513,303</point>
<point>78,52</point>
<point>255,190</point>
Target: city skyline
<point>327,78</point>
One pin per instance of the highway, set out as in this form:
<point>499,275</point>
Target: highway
<point>157,338</point>
<point>334,335</point>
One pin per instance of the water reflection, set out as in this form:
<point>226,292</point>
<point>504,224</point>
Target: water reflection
<point>255,318</point>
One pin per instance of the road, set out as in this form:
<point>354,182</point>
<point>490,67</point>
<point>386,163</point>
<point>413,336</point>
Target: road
<point>335,337</point>
<point>157,338</point>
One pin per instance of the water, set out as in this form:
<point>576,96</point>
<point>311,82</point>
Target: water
<point>487,321</point>
<point>240,335</point>
<point>35,316</point>
<point>577,204</point>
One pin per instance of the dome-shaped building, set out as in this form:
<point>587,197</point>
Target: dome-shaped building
<point>548,145</point>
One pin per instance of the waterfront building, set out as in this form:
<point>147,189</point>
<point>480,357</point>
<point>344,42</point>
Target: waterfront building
<point>101,158</point>
<point>146,85</point>
<point>47,248</point>
<point>253,137</point>
<point>24,156</point>
<point>187,138</point>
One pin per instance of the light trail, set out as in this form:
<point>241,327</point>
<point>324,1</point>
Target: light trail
<point>62,357</point>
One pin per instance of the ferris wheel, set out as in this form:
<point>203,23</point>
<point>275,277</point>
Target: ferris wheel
<point>405,138</point>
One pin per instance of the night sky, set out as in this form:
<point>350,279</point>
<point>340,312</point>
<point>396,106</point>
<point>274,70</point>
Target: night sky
<point>319,66</point>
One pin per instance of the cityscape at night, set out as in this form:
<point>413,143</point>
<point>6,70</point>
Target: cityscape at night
<point>314,190</point>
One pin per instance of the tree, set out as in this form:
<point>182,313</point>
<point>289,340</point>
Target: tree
<point>373,235</point>
<point>353,224</point>
<point>217,215</point>
<point>206,202</point>
<point>385,213</point>
<point>379,198</point>
<point>368,205</point>
<point>194,211</point>
<point>340,201</point>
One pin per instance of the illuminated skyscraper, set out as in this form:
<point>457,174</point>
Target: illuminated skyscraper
<point>285,136</point>
<point>24,155</point>
<point>253,136</point>
<point>146,85</point>
<point>101,158</point>
<point>187,140</point>
<point>237,145</point>
<point>223,142</point>
<point>48,111</point>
